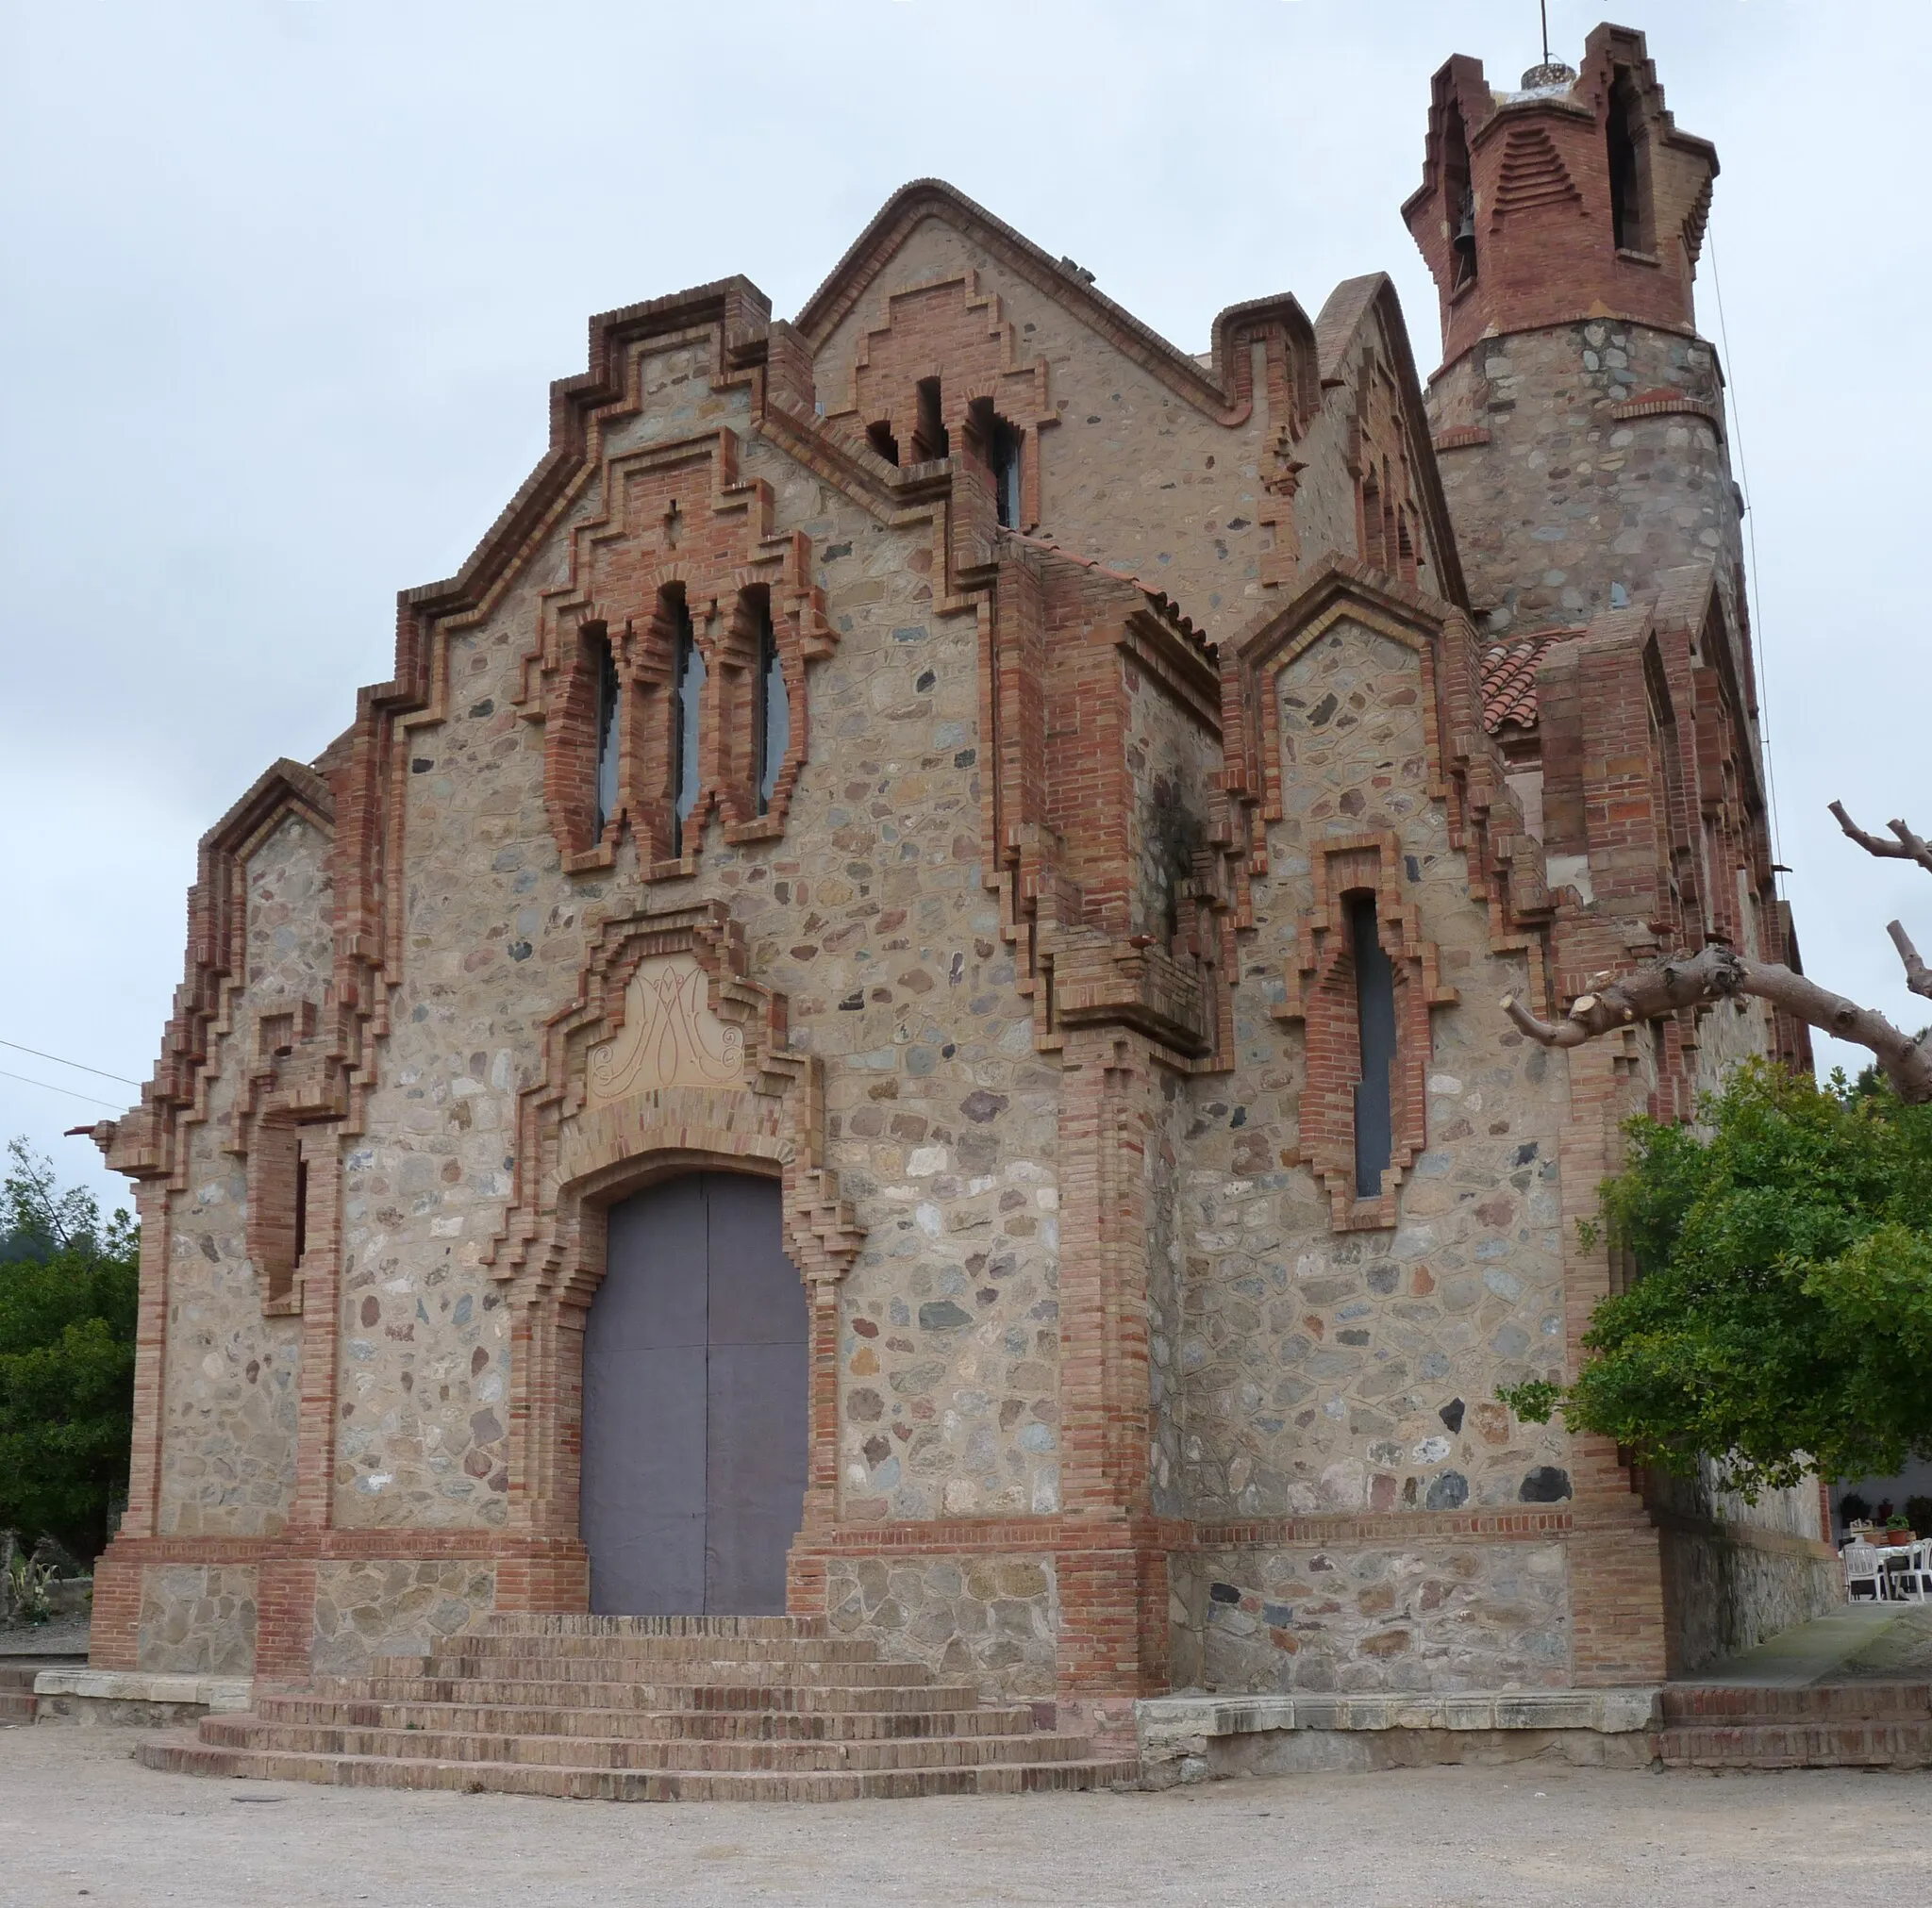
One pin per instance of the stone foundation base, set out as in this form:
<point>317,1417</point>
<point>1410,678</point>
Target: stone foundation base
<point>125,1696</point>
<point>1202,1738</point>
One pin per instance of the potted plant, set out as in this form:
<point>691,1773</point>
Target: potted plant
<point>1856,1512</point>
<point>1897,1530</point>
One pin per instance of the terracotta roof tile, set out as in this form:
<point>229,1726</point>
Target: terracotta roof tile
<point>1510,678</point>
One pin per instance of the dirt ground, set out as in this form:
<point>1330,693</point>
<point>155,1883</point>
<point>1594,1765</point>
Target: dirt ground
<point>81,1822</point>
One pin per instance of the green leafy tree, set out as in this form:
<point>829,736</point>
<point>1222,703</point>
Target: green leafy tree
<point>69,1287</point>
<point>1782,1318</point>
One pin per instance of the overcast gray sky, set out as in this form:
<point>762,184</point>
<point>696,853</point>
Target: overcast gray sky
<point>285,282</point>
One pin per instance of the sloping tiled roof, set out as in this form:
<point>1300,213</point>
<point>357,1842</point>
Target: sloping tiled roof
<point>1510,678</point>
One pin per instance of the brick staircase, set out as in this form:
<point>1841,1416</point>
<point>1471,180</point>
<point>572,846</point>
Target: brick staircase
<point>1842,1725</point>
<point>645,1709</point>
<point>17,1675</point>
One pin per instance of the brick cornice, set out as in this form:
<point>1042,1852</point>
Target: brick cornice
<point>1372,300</point>
<point>1225,393</point>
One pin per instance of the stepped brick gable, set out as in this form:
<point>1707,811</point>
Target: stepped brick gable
<point>1063,813</point>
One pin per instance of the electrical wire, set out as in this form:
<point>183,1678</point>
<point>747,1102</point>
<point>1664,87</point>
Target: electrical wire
<point>1752,585</point>
<point>52,1089</point>
<point>79,1066</point>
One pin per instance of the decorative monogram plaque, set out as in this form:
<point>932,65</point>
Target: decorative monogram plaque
<point>670,1038</point>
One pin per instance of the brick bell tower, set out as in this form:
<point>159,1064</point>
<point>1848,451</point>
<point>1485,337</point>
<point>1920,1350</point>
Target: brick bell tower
<point>1579,416</point>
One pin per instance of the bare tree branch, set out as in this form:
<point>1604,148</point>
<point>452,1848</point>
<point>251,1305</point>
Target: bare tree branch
<point>1918,975</point>
<point>1719,974</point>
<point>1908,847</point>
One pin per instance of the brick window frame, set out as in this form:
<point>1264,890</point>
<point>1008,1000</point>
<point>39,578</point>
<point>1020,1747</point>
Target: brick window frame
<point>679,528</point>
<point>1321,997</point>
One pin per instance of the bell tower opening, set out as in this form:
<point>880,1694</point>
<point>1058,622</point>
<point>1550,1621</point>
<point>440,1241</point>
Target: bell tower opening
<point>1629,183</point>
<point>1458,202</point>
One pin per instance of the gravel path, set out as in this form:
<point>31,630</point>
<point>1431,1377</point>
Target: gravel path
<point>81,1822</point>
<point>66,1637</point>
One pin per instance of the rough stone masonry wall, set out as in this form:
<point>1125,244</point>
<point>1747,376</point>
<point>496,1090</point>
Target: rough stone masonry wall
<point>1384,1614</point>
<point>228,1426</point>
<point>1736,1573</point>
<point>1337,1375</point>
<point>1566,498</point>
<point>1172,757</point>
<point>1133,476</point>
<point>869,914</point>
<point>394,1608</point>
<point>989,1621</point>
<point>198,1619</point>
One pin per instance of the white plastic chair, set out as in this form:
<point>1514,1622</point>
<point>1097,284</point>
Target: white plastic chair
<point>1865,1571</point>
<point>1915,1581</point>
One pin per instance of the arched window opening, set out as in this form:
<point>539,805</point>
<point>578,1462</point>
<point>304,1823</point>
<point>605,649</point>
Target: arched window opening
<point>689,694</point>
<point>880,438</point>
<point>608,699</point>
<point>1000,441</point>
<point>1372,522</point>
<point>1458,202</point>
<point>1629,225</point>
<point>771,712</point>
<point>1006,473</point>
<point>1375,994</point>
<point>930,438</point>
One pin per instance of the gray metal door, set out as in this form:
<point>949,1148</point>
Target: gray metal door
<point>695,1403</point>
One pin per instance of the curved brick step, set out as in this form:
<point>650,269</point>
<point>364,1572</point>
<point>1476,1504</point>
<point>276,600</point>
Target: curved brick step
<point>1786,1745</point>
<point>719,1697</point>
<point>189,1757</point>
<point>17,1703</point>
<point>469,1666</point>
<point>842,1650</point>
<point>595,1752</point>
<point>721,1629</point>
<point>650,1724</point>
<point>1691,1703</point>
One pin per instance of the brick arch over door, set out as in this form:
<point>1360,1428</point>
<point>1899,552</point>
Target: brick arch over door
<point>668,1135</point>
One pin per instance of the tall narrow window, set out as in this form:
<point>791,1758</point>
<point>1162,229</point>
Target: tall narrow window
<point>930,439</point>
<point>691,684</point>
<point>607,698</point>
<point>301,1203</point>
<point>1628,223</point>
<point>1006,473</point>
<point>880,438</point>
<point>1458,198</point>
<point>1375,993</point>
<point>772,724</point>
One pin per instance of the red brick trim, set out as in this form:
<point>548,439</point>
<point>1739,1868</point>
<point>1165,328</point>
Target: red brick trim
<point>1322,996</point>
<point>1224,394</point>
<point>1662,404</point>
<point>576,1154</point>
<point>677,522</point>
<point>947,328</point>
<point>309,1082</point>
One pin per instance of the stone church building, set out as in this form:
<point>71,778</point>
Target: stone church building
<point>894,1015</point>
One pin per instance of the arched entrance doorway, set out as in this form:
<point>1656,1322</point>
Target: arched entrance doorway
<point>696,1432</point>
